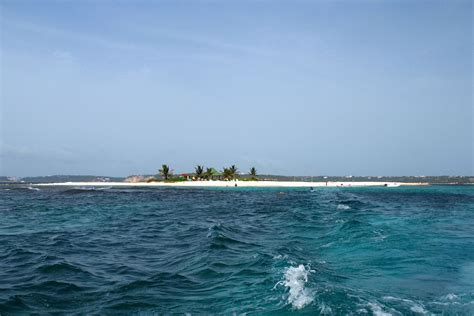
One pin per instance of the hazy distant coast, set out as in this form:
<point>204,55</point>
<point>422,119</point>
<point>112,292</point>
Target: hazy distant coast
<point>403,180</point>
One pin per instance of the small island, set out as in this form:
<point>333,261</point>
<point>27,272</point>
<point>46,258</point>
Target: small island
<point>231,177</point>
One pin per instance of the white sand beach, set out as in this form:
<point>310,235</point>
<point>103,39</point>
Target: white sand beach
<point>237,183</point>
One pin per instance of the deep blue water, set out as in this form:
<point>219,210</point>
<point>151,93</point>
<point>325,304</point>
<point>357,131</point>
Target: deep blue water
<point>406,250</point>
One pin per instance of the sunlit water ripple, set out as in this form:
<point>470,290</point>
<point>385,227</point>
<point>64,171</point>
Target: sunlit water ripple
<point>399,251</point>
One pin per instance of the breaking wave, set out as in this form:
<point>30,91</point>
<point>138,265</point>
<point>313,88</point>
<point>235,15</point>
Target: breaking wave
<point>343,207</point>
<point>295,279</point>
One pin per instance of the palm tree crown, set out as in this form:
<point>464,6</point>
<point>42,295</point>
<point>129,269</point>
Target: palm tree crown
<point>233,171</point>
<point>230,173</point>
<point>226,173</point>
<point>199,170</point>
<point>253,172</point>
<point>165,171</point>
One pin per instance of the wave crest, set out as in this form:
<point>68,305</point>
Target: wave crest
<point>295,280</point>
<point>343,207</point>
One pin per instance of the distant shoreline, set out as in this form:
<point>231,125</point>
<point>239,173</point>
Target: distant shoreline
<point>432,180</point>
<point>223,184</point>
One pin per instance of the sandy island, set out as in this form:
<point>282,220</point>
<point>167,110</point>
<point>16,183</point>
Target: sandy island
<point>233,183</point>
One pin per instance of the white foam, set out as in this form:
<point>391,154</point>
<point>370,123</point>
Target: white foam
<point>212,230</point>
<point>380,236</point>
<point>278,257</point>
<point>104,188</point>
<point>416,308</point>
<point>451,297</point>
<point>325,309</point>
<point>377,310</point>
<point>295,280</point>
<point>343,207</point>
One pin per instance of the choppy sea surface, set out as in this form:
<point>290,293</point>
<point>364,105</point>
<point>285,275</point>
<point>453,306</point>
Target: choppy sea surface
<point>359,251</point>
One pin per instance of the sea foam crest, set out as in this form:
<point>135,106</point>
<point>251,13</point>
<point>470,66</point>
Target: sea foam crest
<point>343,207</point>
<point>295,280</point>
<point>377,310</point>
<point>450,297</point>
<point>414,307</point>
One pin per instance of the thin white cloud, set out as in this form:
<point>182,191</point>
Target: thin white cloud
<point>197,39</point>
<point>94,40</point>
<point>90,39</point>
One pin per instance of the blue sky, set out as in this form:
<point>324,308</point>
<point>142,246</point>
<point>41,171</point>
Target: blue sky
<point>290,87</point>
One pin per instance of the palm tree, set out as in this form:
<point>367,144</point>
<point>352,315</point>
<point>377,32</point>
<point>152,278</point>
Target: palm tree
<point>226,173</point>
<point>199,170</point>
<point>209,173</point>
<point>233,171</point>
<point>253,173</point>
<point>165,171</point>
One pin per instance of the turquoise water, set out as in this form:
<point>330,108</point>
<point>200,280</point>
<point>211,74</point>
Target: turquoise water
<point>399,251</point>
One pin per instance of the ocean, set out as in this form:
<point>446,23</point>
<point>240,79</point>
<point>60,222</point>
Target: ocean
<point>335,251</point>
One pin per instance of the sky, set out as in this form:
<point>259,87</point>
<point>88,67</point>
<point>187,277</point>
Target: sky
<point>289,87</point>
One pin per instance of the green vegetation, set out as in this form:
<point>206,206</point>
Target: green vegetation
<point>199,171</point>
<point>176,179</point>
<point>210,172</point>
<point>230,173</point>
<point>233,172</point>
<point>226,173</point>
<point>253,173</point>
<point>165,172</point>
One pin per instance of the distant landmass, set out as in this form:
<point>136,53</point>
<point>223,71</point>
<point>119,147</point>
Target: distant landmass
<point>404,179</point>
<point>141,178</point>
<point>62,178</point>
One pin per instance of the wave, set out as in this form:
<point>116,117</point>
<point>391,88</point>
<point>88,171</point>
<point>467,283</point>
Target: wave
<point>169,282</point>
<point>450,297</point>
<point>416,307</point>
<point>13,305</point>
<point>295,279</point>
<point>377,310</point>
<point>223,237</point>
<point>22,188</point>
<point>79,190</point>
<point>325,309</point>
<point>351,224</point>
<point>280,257</point>
<point>343,207</point>
<point>59,267</point>
<point>354,203</point>
<point>213,230</point>
<point>111,189</point>
<point>103,188</point>
<point>56,286</point>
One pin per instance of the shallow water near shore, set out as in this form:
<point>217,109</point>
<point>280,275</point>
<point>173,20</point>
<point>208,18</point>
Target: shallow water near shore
<point>380,251</point>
